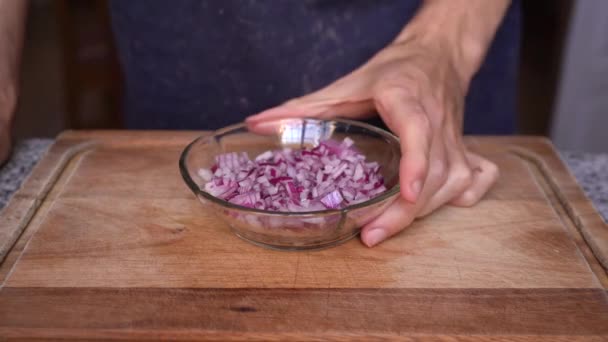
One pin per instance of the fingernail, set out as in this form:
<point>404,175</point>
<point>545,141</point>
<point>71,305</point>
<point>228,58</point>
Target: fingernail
<point>374,237</point>
<point>416,186</point>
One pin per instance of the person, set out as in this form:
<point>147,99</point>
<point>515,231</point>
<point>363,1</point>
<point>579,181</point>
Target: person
<point>203,64</point>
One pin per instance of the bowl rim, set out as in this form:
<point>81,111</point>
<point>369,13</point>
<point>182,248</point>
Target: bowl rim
<point>199,192</point>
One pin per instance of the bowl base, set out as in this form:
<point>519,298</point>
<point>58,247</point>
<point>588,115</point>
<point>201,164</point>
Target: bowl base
<point>315,247</point>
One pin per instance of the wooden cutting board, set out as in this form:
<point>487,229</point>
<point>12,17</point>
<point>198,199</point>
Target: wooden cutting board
<point>105,241</point>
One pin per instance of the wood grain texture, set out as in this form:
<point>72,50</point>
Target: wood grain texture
<point>482,312</point>
<point>111,244</point>
<point>16,215</point>
<point>562,183</point>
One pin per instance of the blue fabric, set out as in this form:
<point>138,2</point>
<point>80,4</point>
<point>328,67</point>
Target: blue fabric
<point>204,64</point>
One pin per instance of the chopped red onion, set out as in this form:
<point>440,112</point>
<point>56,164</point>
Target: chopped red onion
<point>331,175</point>
<point>205,174</point>
<point>332,200</point>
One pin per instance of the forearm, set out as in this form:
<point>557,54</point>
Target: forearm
<point>464,28</point>
<point>12,22</point>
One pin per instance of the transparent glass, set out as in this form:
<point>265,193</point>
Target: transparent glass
<point>287,230</point>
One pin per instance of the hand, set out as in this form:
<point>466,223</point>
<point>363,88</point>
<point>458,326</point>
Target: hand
<point>418,90</point>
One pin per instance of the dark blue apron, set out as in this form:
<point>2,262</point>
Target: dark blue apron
<point>204,64</point>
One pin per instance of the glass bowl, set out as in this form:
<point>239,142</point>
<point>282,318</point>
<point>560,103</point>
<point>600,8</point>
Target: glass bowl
<point>294,230</point>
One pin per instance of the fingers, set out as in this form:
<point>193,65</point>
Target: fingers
<point>406,117</point>
<point>485,174</point>
<point>402,212</point>
<point>394,219</point>
<point>269,121</point>
<point>269,127</point>
<point>459,179</point>
<point>480,178</point>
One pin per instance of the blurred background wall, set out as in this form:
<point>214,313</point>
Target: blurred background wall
<point>580,116</point>
<point>71,78</point>
<point>70,74</point>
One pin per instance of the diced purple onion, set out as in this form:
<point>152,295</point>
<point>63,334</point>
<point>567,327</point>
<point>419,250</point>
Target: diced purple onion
<point>331,175</point>
<point>332,200</point>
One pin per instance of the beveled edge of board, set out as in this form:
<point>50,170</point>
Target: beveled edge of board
<point>222,336</point>
<point>140,137</point>
<point>579,208</point>
<point>22,206</point>
<point>301,313</point>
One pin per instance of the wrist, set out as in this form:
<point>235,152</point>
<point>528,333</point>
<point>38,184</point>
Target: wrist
<point>445,50</point>
<point>461,31</point>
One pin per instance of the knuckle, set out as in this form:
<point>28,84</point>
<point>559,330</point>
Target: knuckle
<point>493,178</point>
<point>461,177</point>
<point>385,98</point>
<point>396,86</point>
<point>489,172</point>
<point>399,80</point>
<point>492,169</point>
